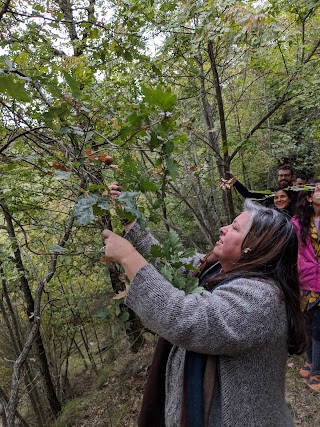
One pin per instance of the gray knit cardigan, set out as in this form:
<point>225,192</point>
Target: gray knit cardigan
<point>243,324</point>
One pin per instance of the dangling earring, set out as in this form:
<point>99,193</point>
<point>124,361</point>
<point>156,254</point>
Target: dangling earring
<point>246,250</point>
<point>310,205</point>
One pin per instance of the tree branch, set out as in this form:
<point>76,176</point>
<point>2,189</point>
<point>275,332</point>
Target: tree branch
<point>4,9</point>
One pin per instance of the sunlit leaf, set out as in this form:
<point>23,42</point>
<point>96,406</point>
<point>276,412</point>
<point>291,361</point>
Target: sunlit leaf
<point>159,97</point>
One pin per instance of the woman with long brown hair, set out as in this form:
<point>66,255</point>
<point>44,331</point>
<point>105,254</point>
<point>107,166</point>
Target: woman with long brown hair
<point>307,224</point>
<point>282,201</point>
<point>227,363</point>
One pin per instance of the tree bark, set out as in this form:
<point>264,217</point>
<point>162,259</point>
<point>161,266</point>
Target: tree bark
<point>227,196</point>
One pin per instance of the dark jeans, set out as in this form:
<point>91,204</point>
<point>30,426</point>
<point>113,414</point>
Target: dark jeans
<point>313,324</point>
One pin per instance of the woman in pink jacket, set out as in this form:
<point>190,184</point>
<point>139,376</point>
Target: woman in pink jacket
<point>307,224</point>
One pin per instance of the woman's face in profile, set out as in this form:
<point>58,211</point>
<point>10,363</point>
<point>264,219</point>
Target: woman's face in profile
<point>281,199</point>
<point>315,196</point>
<point>229,246</point>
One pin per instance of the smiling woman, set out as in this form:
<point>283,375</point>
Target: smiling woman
<point>282,200</point>
<point>222,359</point>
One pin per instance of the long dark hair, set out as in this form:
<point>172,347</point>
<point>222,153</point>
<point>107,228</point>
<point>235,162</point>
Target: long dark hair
<point>304,210</point>
<point>270,252</point>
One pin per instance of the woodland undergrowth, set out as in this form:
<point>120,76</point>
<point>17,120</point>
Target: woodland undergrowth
<point>112,397</point>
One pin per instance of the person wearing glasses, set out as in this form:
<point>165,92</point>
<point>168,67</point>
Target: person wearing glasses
<point>285,175</point>
<point>284,179</point>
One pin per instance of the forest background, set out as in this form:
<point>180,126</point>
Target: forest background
<point>163,96</point>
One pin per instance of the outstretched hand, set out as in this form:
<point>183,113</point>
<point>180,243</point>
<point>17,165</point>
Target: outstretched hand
<point>226,184</point>
<point>232,177</point>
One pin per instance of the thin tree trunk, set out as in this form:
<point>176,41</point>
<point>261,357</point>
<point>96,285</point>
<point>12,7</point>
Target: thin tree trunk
<point>223,129</point>
<point>54,403</point>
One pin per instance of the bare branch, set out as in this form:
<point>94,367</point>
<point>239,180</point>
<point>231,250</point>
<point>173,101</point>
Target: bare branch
<point>19,135</point>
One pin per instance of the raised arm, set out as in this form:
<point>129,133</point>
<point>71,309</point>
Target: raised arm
<point>244,191</point>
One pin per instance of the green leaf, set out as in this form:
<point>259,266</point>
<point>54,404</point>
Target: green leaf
<point>57,249</point>
<point>179,139</point>
<point>128,204</point>
<point>192,285</point>
<point>105,314</point>
<point>73,84</point>
<point>156,251</point>
<point>103,203</point>
<point>127,55</point>
<point>83,209</point>
<point>171,243</point>
<point>152,140</point>
<point>167,271</point>
<point>188,253</point>
<point>173,168</point>
<point>179,281</point>
<point>156,70</point>
<point>147,185</point>
<point>159,97</point>
<point>13,88</point>
<point>124,316</point>
<point>94,187</point>
<point>37,8</point>
<point>55,113</point>
<point>54,90</point>
<point>73,130</point>
<point>97,212</point>
<point>94,33</point>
